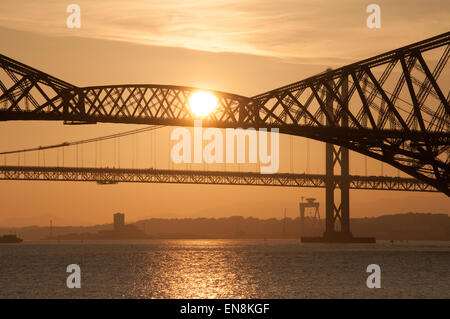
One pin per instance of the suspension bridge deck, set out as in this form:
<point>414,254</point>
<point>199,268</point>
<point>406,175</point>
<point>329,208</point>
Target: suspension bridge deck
<point>127,175</point>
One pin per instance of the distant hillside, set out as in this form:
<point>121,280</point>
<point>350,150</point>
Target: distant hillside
<point>410,226</point>
<point>404,226</point>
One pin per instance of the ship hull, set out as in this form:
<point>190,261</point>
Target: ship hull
<point>10,240</point>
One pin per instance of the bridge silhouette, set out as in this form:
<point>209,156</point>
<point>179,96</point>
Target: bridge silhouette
<point>106,175</point>
<point>391,107</point>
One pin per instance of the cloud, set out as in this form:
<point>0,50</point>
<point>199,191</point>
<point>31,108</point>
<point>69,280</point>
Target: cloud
<point>291,29</point>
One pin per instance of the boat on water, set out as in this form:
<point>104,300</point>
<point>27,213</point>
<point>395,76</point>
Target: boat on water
<point>10,239</point>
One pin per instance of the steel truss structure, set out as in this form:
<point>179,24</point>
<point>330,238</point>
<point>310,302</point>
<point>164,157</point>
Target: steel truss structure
<point>396,106</point>
<point>116,175</point>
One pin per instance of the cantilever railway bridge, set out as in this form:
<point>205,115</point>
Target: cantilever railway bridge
<point>393,107</point>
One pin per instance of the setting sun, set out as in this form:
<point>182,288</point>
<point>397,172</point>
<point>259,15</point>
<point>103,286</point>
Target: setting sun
<point>202,103</point>
<point>225,156</point>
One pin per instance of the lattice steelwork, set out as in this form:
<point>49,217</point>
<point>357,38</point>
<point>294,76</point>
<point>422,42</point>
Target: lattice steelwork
<point>396,106</point>
<point>117,175</point>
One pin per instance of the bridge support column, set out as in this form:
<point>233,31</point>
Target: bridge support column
<point>337,225</point>
<point>337,216</point>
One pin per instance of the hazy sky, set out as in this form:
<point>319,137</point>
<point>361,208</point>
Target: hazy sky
<point>243,47</point>
<point>307,31</point>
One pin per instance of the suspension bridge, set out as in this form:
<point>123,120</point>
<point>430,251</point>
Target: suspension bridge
<point>393,107</point>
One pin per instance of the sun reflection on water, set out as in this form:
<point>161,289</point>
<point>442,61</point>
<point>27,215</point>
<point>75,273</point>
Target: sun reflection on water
<point>203,269</point>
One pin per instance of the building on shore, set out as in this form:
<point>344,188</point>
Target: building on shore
<point>119,221</point>
<point>120,231</point>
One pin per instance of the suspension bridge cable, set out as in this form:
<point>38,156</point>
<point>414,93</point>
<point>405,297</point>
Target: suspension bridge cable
<point>91,140</point>
<point>291,154</point>
<point>307,155</point>
<point>365,165</point>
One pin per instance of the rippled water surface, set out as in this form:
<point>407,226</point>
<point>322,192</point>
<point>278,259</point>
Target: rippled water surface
<point>224,269</point>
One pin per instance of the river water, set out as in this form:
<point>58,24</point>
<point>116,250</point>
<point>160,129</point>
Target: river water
<point>224,269</point>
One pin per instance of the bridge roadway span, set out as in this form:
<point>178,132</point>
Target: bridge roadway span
<point>127,175</point>
<point>392,107</point>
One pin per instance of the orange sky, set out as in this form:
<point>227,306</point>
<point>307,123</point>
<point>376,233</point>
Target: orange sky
<point>243,47</point>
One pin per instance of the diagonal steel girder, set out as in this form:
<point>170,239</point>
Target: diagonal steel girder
<point>398,108</point>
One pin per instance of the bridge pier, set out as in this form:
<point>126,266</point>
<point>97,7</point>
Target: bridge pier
<point>337,217</point>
